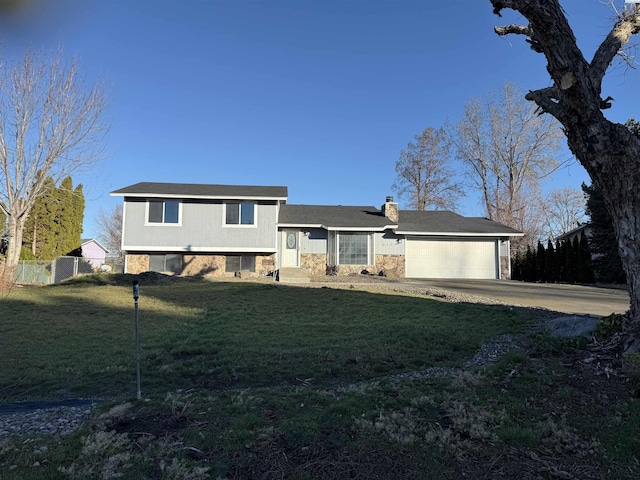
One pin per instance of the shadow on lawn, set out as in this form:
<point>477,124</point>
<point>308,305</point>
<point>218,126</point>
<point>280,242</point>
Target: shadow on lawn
<point>76,339</point>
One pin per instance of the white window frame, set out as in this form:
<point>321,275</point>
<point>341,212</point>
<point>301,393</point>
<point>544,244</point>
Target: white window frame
<point>369,248</point>
<point>162,224</point>
<point>240,225</point>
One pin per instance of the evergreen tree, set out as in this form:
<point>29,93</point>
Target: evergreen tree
<point>54,225</point>
<point>69,218</point>
<point>540,258</point>
<point>530,266</point>
<point>585,273</point>
<point>575,259</point>
<point>78,217</point>
<point>550,270</point>
<point>559,262</point>
<point>40,228</point>
<point>517,266</point>
<point>569,263</point>
<point>606,261</point>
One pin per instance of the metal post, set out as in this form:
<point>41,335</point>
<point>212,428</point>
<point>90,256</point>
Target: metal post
<point>136,294</point>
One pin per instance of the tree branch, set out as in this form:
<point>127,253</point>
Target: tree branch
<point>513,28</point>
<point>499,5</point>
<point>546,99</point>
<point>627,25</point>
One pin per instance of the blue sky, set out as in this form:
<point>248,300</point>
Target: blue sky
<point>317,95</point>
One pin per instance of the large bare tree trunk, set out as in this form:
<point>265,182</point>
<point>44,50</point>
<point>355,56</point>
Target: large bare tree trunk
<point>609,151</point>
<point>618,178</point>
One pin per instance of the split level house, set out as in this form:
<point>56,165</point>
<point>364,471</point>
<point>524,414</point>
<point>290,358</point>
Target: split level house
<point>220,230</point>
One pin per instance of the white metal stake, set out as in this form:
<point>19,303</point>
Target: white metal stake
<point>136,294</point>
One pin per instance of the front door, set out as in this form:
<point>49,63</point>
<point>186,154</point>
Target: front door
<point>290,248</point>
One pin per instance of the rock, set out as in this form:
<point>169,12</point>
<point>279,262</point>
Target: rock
<point>573,326</point>
<point>45,422</point>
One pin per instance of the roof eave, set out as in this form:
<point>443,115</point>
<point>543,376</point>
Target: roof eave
<point>459,234</point>
<point>199,197</point>
<point>337,228</point>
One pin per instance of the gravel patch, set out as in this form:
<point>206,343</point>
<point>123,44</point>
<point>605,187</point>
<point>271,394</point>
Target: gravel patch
<point>51,422</point>
<point>490,352</point>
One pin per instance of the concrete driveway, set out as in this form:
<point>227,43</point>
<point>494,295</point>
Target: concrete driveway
<point>571,299</point>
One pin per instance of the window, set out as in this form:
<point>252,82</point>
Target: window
<point>165,263</point>
<point>353,249</point>
<point>164,211</point>
<point>240,213</point>
<point>237,263</point>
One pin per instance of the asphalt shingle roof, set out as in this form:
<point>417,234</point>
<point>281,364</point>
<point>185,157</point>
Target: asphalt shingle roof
<point>201,190</point>
<point>411,221</point>
<point>333,216</point>
<point>449,222</point>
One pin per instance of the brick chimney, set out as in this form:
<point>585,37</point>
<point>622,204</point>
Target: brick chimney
<point>390,209</point>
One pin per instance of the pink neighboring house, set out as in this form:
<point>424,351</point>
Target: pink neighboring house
<point>93,252</point>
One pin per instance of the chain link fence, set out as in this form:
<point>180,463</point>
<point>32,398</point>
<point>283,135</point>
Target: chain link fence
<point>34,271</point>
<point>55,271</point>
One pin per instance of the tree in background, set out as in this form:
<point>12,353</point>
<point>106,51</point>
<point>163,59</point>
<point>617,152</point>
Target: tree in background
<point>423,178</point>
<point>69,218</point>
<point>606,258</point>
<point>569,262</point>
<point>508,149</point>
<point>50,126</point>
<point>54,225</point>
<point>610,152</point>
<point>40,229</point>
<point>550,264</point>
<point>110,230</point>
<point>565,210</point>
<point>584,273</point>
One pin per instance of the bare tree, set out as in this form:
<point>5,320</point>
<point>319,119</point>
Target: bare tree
<point>565,210</point>
<point>110,230</point>
<point>609,151</point>
<point>508,150</point>
<point>423,178</point>
<point>50,126</point>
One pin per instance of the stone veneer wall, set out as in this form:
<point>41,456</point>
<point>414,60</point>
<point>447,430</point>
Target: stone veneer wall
<point>205,265</point>
<point>316,263</point>
<point>392,265</point>
<point>137,263</point>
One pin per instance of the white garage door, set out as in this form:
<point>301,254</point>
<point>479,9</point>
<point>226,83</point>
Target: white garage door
<point>451,258</point>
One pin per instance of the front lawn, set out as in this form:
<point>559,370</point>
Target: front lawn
<point>264,381</point>
<point>77,339</point>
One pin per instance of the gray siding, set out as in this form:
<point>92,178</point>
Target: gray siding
<point>388,243</point>
<point>201,228</point>
<point>316,242</point>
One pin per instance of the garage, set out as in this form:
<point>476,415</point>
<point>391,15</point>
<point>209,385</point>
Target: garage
<point>452,258</point>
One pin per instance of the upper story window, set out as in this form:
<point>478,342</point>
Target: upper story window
<point>240,213</point>
<point>164,211</point>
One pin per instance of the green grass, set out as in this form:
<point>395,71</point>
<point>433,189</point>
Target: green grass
<point>78,339</point>
<point>260,381</point>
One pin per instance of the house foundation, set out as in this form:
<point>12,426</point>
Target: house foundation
<point>204,265</point>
